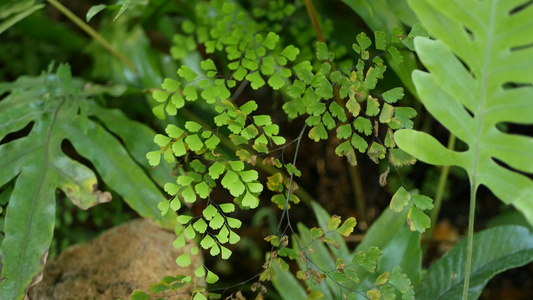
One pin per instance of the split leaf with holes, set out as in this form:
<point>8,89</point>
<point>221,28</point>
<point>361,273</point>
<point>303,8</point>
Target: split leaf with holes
<point>38,164</point>
<point>462,81</point>
<point>479,76</point>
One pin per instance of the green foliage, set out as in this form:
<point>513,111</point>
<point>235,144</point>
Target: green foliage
<point>217,138</point>
<point>418,221</point>
<point>330,271</point>
<point>495,250</point>
<point>388,22</point>
<point>139,295</point>
<point>312,91</point>
<point>329,98</point>
<point>54,107</point>
<point>469,92</point>
<point>450,91</point>
<point>122,6</point>
<point>12,12</point>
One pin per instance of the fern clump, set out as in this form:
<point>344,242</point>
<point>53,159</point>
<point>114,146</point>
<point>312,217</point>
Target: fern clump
<point>343,100</point>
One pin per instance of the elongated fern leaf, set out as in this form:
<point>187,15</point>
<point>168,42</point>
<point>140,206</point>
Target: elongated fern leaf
<point>480,75</point>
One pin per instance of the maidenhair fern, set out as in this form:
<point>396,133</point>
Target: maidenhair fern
<point>478,78</point>
<point>341,99</point>
<point>331,271</point>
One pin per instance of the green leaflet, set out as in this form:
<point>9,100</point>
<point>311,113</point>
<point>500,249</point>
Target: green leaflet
<point>449,92</point>
<point>40,167</point>
<point>139,295</point>
<point>320,256</point>
<point>125,5</point>
<point>323,219</point>
<point>384,15</point>
<point>93,11</point>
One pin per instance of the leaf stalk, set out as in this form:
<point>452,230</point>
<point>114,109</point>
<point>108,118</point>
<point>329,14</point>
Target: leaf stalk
<point>470,238</point>
<point>312,15</point>
<point>303,194</point>
<point>91,32</point>
<point>439,195</point>
<point>353,170</point>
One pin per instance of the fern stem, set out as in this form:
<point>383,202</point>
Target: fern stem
<point>439,195</point>
<point>286,208</point>
<point>91,32</point>
<point>470,238</point>
<point>318,30</point>
<point>359,196</point>
<point>312,15</point>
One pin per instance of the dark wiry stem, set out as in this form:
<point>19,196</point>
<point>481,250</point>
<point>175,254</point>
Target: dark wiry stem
<point>354,171</point>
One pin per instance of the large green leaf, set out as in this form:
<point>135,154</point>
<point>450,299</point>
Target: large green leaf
<point>118,170</point>
<point>480,75</point>
<point>28,227</point>
<point>287,285</point>
<point>495,250</point>
<point>383,15</point>
<point>384,229</point>
<point>53,109</point>
<point>132,134</point>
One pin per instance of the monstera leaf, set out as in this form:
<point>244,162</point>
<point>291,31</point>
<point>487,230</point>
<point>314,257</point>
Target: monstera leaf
<point>41,114</point>
<point>480,75</point>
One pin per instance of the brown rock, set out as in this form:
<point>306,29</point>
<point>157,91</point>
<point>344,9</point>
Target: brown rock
<point>122,259</point>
